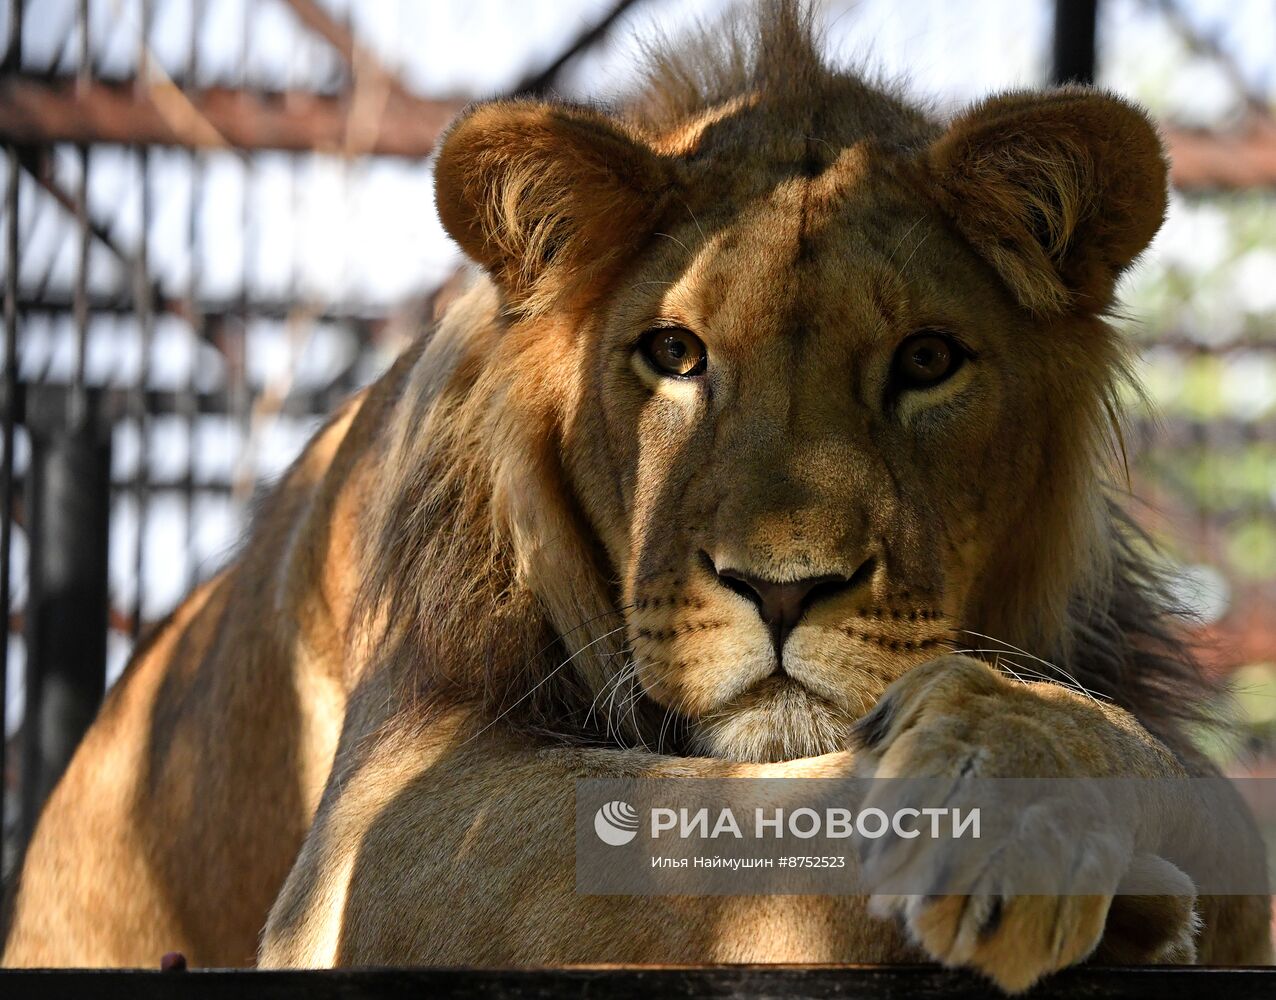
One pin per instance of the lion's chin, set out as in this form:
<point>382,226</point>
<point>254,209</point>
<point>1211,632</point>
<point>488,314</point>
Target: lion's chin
<point>777,719</point>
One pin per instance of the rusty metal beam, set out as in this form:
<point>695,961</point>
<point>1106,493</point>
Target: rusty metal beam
<point>359,60</point>
<point>323,24</point>
<point>1206,160</point>
<point>39,111</point>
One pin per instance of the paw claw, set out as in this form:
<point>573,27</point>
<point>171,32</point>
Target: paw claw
<point>992,919</point>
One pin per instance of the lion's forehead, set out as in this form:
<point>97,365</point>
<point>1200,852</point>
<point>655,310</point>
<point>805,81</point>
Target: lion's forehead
<point>832,280</point>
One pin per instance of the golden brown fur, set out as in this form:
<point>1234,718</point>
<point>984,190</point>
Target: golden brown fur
<point>497,569</point>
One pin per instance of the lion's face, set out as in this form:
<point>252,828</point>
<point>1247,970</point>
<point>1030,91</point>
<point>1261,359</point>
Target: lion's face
<point>828,409</point>
<point>801,516</point>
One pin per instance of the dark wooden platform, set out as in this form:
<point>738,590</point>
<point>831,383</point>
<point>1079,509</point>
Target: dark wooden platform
<point>875,982</point>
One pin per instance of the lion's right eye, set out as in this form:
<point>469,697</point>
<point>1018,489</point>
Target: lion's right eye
<point>674,351</point>
<point>927,358</point>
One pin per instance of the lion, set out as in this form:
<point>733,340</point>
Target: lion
<point>770,397</point>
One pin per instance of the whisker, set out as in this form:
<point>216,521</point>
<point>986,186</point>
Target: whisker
<point>925,237</point>
<point>627,673</point>
<point>575,628</point>
<point>696,221</point>
<point>676,240</point>
<point>604,690</point>
<point>1008,669</point>
<point>1023,675</point>
<point>635,696</point>
<point>1045,663</point>
<point>544,680</point>
<point>1027,670</point>
<point>671,711</point>
<point>1069,681</point>
<point>618,704</point>
<point>907,233</point>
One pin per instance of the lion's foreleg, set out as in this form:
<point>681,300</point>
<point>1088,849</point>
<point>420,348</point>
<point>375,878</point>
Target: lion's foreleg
<point>436,850</point>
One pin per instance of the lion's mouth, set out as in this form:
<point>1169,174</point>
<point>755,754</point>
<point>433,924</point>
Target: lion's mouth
<point>777,718</point>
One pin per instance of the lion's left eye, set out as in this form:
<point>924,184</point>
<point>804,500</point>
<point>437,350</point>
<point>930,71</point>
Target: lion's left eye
<point>925,359</point>
<point>674,351</point>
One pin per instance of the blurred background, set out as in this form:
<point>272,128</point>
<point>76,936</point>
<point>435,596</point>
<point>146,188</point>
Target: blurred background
<point>217,222</point>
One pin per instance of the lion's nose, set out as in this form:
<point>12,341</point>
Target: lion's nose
<point>782,605</point>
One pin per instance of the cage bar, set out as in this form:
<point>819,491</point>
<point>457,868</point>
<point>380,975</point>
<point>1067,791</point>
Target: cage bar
<point>1073,49</point>
<point>68,510</point>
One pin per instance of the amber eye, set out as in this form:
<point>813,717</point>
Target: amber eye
<point>674,351</point>
<point>926,359</point>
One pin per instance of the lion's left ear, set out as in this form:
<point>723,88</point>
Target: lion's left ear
<point>1060,192</point>
<point>546,196</point>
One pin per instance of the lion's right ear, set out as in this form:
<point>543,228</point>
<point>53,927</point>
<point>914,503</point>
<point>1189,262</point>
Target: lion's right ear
<point>546,196</point>
<point>1059,191</point>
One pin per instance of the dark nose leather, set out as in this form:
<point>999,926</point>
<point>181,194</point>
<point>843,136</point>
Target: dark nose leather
<point>782,605</point>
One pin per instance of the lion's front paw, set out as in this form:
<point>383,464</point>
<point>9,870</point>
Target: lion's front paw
<point>959,715</point>
<point>1014,941</point>
<point>1032,892</point>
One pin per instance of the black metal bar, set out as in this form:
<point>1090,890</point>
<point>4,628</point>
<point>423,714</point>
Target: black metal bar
<point>8,417</point>
<point>83,77</point>
<point>143,300</point>
<point>68,509</point>
<point>6,462</point>
<point>1075,23</point>
<point>542,79</point>
<point>122,486</point>
<point>57,302</point>
<point>194,277</point>
<point>739,982</point>
<point>81,297</point>
<point>236,344</point>
<point>13,45</point>
<point>110,406</point>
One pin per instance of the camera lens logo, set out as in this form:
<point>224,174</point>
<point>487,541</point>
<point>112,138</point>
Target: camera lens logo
<point>616,823</point>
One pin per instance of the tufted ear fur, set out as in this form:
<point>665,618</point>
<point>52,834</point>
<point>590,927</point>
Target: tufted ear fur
<point>546,196</point>
<point>1059,192</point>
